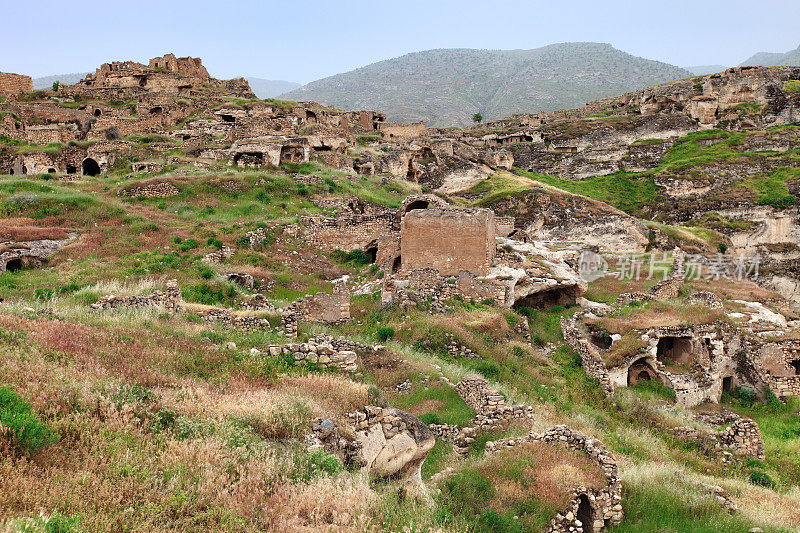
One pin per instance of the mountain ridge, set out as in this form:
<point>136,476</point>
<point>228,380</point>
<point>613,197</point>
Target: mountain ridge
<point>445,87</point>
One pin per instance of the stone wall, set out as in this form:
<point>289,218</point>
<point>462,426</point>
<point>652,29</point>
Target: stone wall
<point>744,438</point>
<point>667,288</point>
<point>347,231</point>
<point>605,502</point>
<point>323,307</point>
<point>395,130</point>
<point>159,189</point>
<point>478,395</point>
<point>318,352</point>
<point>12,84</point>
<point>591,361</point>
<point>230,320</point>
<point>448,240</point>
<point>169,299</point>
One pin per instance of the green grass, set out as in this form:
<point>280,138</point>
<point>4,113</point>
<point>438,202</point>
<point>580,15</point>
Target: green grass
<point>791,86</point>
<point>26,432</point>
<point>670,506</point>
<point>451,409</point>
<point>628,191</point>
<point>772,189</point>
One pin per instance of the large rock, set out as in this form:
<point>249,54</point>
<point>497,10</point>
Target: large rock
<point>393,443</point>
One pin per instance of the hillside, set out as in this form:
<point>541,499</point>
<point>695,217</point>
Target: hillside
<point>270,88</point>
<point>47,81</point>
<point>446,87</point>
<point>790,58</point>
<point>701,70</point>
<point>226,314</point>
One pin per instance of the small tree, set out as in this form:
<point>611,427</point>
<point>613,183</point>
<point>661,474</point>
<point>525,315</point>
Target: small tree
<point>55,86</point>
<point>477,118</point>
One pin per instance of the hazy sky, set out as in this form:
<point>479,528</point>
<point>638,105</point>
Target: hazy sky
<point>306,40</point>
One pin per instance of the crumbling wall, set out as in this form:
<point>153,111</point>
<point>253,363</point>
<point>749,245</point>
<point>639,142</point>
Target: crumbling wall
<point>323,307</point>
<point>450,241</point>
<point>170,299</point>
<point>476,393</point>
<point>605,503</point>
<point>744,438</point>
<point>591,361</point>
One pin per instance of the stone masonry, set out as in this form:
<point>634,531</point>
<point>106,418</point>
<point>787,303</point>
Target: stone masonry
<point>448,240</point>
<point>13,84</point>
<point>604,504</point>
<point>170,299</point>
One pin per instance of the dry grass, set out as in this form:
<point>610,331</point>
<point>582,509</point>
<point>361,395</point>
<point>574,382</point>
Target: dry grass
<point>658,314</point>
<point>327,504</point>
<point>30,233</point>
<point>544,472</point>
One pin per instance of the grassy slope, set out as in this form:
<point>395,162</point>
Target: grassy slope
<point>158,423</point>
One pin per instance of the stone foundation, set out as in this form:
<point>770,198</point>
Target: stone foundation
<point>170,299</point>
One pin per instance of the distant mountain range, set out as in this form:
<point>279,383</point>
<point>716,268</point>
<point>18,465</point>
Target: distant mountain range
<point>445,87</point>
<point>270,88</point>
<point>67,79</point>
<point>701,70</point>
<point>791,58</point>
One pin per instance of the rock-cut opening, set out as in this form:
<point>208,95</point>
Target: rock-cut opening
<point>639,371</point>
<point>14,264</point>
<point>546,299</point>
<point>90,167</point>
<point>675,350</point>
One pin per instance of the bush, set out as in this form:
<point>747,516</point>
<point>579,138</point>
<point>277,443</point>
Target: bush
<point>214,243</point>
<point>385,333</point>
<point>24,429</point>
<point>356,257</point>
<point>308,465</point>
<point>761,479</point>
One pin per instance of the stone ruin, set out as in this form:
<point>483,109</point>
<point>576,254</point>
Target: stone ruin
<point>448,240</point>
<point>18,255</point>
<point>492,414</point>
<point>740,437</point>
<point>590,510</point>
<point>14,84</point>
<point>170,299</point>
<point>150,189</point>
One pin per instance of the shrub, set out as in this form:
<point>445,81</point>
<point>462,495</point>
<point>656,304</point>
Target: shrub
<point>308,465</point>
<point>385,333</point>
<point>722,247</point>
<point>215,243</point>
<point>356,257</point>
<point>25,431</point>
<point>55,523</point>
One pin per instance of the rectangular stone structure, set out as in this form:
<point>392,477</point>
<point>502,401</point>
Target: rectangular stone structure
<point>448,240</point>
<point>15,84</point>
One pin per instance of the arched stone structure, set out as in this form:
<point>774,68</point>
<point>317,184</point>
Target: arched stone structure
<point>90,167</point>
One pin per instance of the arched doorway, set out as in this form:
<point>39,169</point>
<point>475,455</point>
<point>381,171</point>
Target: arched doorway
<point>396,264</point>
<point>97,112</point>
<point>640,371</point>
<point>90,167</point>
<point>14,264</point>
<point>157,110</point>
<point>71,169</point>
<point>585,513</point>
<point>417,204</point>
<point>372,253</point>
